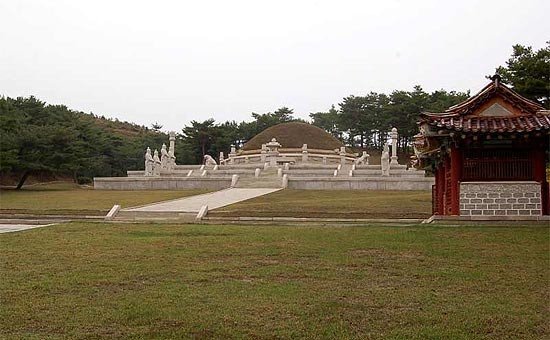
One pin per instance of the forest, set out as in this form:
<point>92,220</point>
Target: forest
<point>37,137</point>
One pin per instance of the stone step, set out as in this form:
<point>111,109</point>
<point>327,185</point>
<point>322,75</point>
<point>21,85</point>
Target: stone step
<point>261,182</point>
<point>126,215</point>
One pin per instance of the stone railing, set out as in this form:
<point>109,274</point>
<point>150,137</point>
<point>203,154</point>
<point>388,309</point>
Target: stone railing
<point>296,155</point>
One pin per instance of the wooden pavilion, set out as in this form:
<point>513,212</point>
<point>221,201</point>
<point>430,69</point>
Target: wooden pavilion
<point>488,155</point>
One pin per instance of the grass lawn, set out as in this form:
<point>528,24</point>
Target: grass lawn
<point>337,204</point>
<point>85,280</point>
<point>68,198</point>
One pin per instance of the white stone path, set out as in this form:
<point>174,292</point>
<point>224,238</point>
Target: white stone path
<point>9,228</point>
<point>213,200</point>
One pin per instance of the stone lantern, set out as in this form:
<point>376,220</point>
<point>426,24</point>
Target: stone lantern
<point>273,151</point>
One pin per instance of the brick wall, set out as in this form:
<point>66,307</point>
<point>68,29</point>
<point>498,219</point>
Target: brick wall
<point>500,199</point>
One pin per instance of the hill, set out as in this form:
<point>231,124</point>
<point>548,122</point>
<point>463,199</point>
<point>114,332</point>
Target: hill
<point>42,140</point>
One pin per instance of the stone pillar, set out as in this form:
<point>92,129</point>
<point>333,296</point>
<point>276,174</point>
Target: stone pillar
<point>263,153</point>
<point>221,157</point>
<point>285,181</point>
<point>393,136</point>
<point>172,144</point>
<point>234,180</point>
<point>232,154</point>
<point>304,153</point>
<point>343,155</point>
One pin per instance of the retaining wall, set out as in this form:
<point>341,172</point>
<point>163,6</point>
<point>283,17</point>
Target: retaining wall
<point>364,183</point>
<point>160,183</point>
<point>500,199</point>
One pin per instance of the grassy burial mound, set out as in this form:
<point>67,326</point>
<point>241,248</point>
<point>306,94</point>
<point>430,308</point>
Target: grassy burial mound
<point>333,204</point>
<point>294,135</point>
<point>71,199</point>
<point>172,281</point>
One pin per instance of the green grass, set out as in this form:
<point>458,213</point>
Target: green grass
<point>136,281</point>
<point>337,204</point>
<point>67,198</point>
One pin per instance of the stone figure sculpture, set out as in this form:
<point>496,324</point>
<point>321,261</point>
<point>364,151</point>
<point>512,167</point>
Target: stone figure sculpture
<point>164,157</point>
<point>385,161</point>
<point>364,159</point>
<point>149,163</point>
<point>156,167</point>
<point>172,152</point>
<point>413,162</point>
<point>208,160</point>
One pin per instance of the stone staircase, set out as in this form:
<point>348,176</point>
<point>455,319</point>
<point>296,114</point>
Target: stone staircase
<point>267,179</point>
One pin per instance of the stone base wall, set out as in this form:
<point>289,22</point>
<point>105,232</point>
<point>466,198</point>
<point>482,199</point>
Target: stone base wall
<point>500,199</point>
<point>160,183</point>
<point>374,183</point>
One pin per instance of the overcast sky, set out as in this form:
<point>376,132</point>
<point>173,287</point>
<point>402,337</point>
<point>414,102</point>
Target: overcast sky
<point>177,61</point>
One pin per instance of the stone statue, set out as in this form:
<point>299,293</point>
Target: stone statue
<point>385,161</point>
<point>364,159</point>
<point>413,162</point>
<point>164,157</point>
<point>149,163</point>
<point>156,167</point>
<point>171,152</point>
<point>208,160</point>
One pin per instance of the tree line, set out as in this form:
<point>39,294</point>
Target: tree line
<point>360,122</point>
<point>52,138</point>
<point>36,137</point>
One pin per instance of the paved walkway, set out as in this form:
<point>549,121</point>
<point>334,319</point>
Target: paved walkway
<point>213,200</point>
<point>9,228</point>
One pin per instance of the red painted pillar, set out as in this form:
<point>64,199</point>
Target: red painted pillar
<point>539,175</point>
<point>456,173</point>
<point>435,196</point>
<point>440,189</point>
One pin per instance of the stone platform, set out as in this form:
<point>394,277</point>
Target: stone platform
<point>305,177</point>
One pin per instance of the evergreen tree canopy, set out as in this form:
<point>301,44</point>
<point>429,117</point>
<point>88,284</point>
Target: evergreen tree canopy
<point>528,72</point>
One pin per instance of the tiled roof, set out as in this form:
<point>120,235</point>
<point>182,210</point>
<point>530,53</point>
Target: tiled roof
<point>492,89</point>
<point>527,123</point>
<point>533,117</point>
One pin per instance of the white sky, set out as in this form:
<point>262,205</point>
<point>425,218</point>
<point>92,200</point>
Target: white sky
<point>176,61</point>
